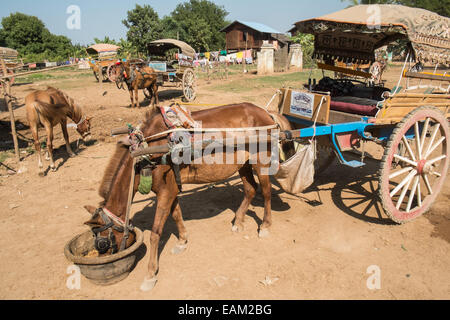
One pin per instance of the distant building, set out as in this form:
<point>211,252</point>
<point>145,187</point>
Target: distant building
<point>241,35</point>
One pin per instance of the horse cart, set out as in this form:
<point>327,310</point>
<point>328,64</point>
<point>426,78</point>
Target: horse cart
<point>410,121</point>
<point>103,58</point>
<point>176,70</point>
<point>9,62</point>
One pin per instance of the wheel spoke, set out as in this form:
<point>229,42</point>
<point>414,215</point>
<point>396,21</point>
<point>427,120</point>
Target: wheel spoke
<point>424,134</point>
<point>403,194</point>
<point>418,145</point>
<point>436,159</point>
<point>405,181</point>
<point>434,147</point>
<point>433,136</point>
<point>400,172</point>
<point>412,194</point>
<point>427,184</point>
<point>413,163</point>
<point>408,147</point>
<point>436,174</point>
<point>419,194</point>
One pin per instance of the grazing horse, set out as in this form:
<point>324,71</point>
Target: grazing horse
<point>138,77</point>
<point>48,108</point>
<point>116,180</point>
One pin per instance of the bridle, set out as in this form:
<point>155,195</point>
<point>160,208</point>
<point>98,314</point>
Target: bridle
<point>103,244</point>
<point>76,125</point>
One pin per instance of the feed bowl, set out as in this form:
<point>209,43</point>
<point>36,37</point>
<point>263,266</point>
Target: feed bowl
<point>105,270</point>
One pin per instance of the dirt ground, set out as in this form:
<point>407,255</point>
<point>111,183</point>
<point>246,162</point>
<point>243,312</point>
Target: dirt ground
<point>321,244</point>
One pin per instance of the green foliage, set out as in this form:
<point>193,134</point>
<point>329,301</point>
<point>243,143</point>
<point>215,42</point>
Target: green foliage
<point>307,43</point>
<point>196,22</point>
<point>34,42</point>
<point>143,25</point>
<point>199,23</point>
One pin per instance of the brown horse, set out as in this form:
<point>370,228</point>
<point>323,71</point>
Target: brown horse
<point>48,108</point>
<point>137,76</point>
<point>116,181</point>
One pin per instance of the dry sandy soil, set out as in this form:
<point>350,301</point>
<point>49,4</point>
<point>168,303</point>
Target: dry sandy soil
<point>320,247</point>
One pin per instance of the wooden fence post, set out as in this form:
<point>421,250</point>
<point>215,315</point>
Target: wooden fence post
<point>6,85</point>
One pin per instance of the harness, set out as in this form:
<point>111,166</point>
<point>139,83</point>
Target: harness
<point>103,244</point>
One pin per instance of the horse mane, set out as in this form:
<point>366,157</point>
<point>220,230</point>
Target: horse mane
<point>112,170</point>
<point>118,159</point>
<point>77,112</point>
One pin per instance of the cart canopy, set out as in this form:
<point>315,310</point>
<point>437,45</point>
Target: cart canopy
<point>159,47</point>
<point>353,34</point>
<point>103,49</point>
<point>7,53</point>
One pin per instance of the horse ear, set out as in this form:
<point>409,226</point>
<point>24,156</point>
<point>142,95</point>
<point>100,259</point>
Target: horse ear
<point>90,209</point>
<point>89,118</point>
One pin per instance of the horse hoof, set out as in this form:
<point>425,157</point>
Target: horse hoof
<point>264,233</point>
<point>72,155</point>
<point>179,248</point>
<point>42,174</point>
<point>237,229</point>
<point>148,284</point>
<point>54,169</point>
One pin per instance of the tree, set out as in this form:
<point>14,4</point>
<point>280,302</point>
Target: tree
<point>29,36</point>
<point>199,23</point>
<point>441,7</point>
<point>143,25</point>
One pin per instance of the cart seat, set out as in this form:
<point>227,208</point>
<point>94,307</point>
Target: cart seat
<point>354,105</point>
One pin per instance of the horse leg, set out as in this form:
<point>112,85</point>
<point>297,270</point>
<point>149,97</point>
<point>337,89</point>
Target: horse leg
<point>37,146</point>
<point>136,93</point>
<point>155,93</point>
<point>49,129</point>
<point>266,187</point>
<point>164,207</point>
<point>66,138</point>
<point>182,233</point>
<point>131,98</point>
<point>250,186</point>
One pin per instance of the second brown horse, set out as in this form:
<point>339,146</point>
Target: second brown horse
<point>138,77</point>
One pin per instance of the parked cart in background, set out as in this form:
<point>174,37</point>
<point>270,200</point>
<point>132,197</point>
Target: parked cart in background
<point>9,57</point>
<point>102,58</point>
<point>176,70</point>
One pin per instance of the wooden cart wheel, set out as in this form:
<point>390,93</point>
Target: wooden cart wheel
<point>147,94</point>
<point>415,164</point>
<point>112,72</point>
<point>104,71</point>
<point>189,85</point>
<point>376,70</point>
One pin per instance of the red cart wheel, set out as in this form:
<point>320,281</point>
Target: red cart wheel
<point>415,164</point>
<point>112,72</point>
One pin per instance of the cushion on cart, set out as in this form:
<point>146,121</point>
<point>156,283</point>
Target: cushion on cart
<point>355,105</point>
